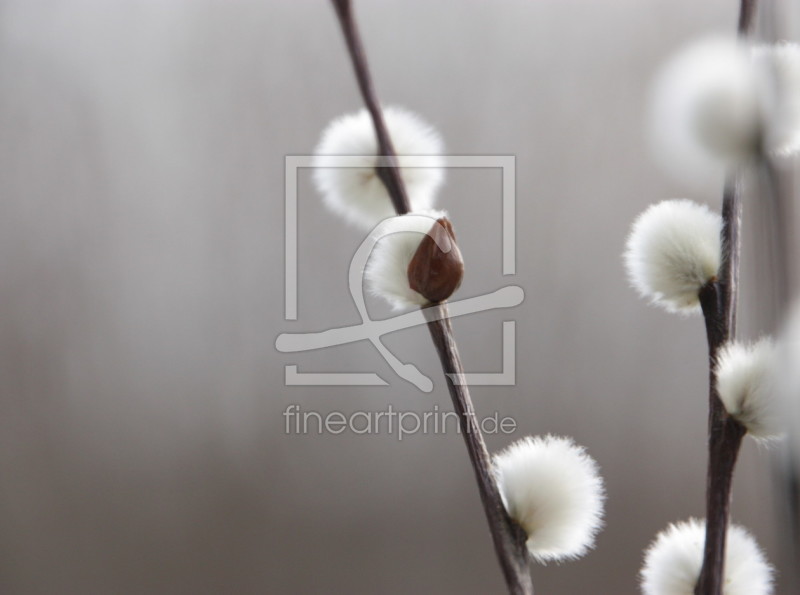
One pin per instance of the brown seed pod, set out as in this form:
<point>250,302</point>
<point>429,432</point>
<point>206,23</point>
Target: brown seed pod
<point>435,273</point>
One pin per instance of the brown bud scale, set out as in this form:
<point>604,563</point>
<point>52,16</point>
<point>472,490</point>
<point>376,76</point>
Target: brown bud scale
<point>435,273</point>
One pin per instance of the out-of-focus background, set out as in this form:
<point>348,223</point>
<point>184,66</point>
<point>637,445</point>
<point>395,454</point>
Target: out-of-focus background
<point>142,437</point>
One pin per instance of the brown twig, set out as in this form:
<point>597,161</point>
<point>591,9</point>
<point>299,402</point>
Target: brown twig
<point>725,435</point>
<point>719,300</point>
<point>747,16</point>
<point>509,538</point>
<point>390,173</point>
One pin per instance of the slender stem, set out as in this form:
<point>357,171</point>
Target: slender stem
<point>747,14</point>
<point>724,440</point>
<point>389,174</point>
<point>731,254</point>
<point>508,537</point>
<point>719,299</point>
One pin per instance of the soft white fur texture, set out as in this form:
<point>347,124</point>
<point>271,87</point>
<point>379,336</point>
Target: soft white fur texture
<point>553,489</point>
<point>705,109</point>
<point>747,387</point>
<point>674,248</point>
<point>357,193</point>
<point>778,67</point>
<point>386,272</point>
<point>674,559</point>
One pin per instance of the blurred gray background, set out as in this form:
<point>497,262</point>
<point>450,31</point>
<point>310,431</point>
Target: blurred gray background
<point>142,443</point>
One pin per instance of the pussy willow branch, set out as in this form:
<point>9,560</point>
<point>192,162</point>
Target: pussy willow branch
<point>747,16</point>
<point>719,299</point>
<point>389,174</point>
<point>509,539</point>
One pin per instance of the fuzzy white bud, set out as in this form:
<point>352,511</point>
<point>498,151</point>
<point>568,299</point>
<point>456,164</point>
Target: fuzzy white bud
<point>705,109</point>
<point>719,101</point>
<point>357,193</point>
<point>779,68</point>
<point>673,562</point>
<point>674,248</point>
<point>553,489</point>
<point>747,387</point>
<point>410,239</point>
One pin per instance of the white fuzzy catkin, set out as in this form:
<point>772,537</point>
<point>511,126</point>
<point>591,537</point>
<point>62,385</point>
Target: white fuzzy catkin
<point>356,193</point>
<point>386,272</point>
<point>705,109</point>
<point>674,559</point>
<point>553,489</point>
<point>778,67</point>
<point>747,387</point>
<point>674,248</point>
<point>719,100</point>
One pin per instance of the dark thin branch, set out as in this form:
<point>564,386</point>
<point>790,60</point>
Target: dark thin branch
<point>509,538</point>
<point>731,251</point>
<point>719,300</point>
<point>725,436</point>
<point>389,174</point>
<point>747,16</point>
